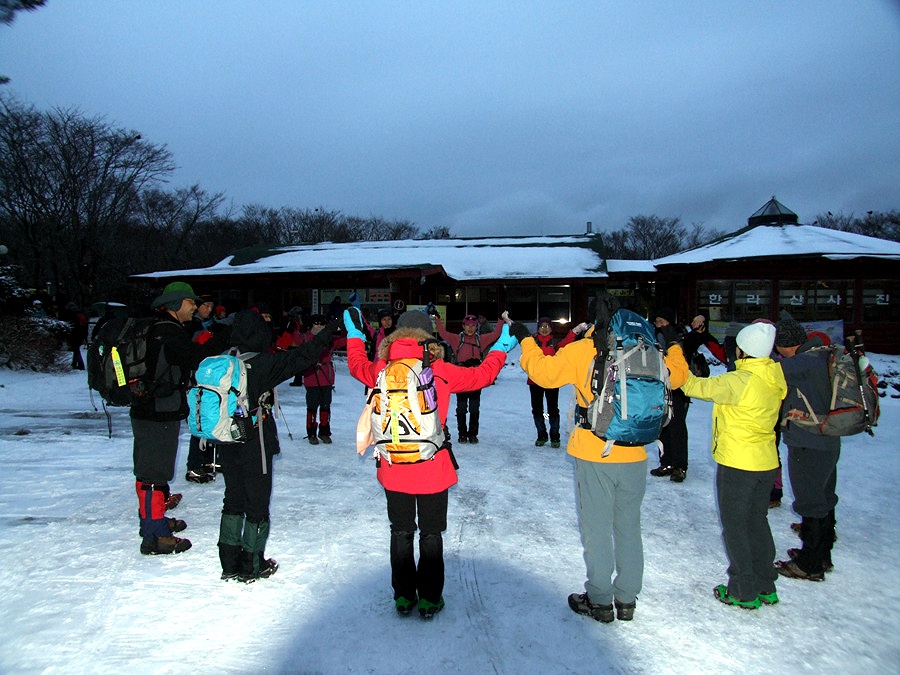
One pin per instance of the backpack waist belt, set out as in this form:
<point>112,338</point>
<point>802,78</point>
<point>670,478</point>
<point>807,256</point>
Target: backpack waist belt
<point>581,420</point>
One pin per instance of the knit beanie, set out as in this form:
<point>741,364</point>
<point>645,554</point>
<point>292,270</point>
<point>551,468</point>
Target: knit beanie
<point>667,314</point>
<point>414,318</point>
<point>757,339</point>
<point>790,332</point>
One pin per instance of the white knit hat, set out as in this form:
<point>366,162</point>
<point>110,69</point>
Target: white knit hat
<point>757,339</point>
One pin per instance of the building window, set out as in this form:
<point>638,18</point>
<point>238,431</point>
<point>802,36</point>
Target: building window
<point>521,301</point>
<point>880,301</point>
<point>817,300</point>
<point>752,300</point>
<point>555,302</point>
<point>715,299</point>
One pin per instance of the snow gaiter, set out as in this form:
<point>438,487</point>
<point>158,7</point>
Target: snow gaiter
<point>430,574</point>
<point>230,528</point>
<point>253,543</point>
<point>554,427</point>
<point>152,510</point>
<point>539,425</point>
<point>324,423</point>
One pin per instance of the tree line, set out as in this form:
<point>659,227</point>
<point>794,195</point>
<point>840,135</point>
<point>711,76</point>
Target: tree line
<point>84,204</point>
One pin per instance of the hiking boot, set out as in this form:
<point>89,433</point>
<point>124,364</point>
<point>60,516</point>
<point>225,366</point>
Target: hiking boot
<point>164,545</point>
<point>428,609</point>
<point>625,610</point>
<point>554,444</point>
<point>473,439</point>
<point>176,525</point>
<point>768,598</point>
<point>827,565</point>
<point>790,569</point>
<point>463,439</point>
<point>581,604</point>
<point>661,471</point>
<point>228,576</point>
<point>678,475</point>
<point>325,439</point>
<point>404,606</point>
<point>312,440</point>
<point>173,500</point>
<point>540,443</point>
<point>267,567</point>
<point>721,593</point>
<point>198,476</point>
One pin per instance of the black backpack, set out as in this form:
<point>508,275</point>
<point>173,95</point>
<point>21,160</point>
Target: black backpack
<point>117,361</point>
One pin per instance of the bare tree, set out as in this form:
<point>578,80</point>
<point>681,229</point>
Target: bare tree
<point>874,224</point>
<point>68,185</point>
<point>651,237</point>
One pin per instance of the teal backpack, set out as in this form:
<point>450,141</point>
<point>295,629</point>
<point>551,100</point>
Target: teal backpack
<point>219,406</point>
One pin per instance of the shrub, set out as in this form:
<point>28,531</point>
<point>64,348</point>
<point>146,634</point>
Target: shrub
<point>32,343</point>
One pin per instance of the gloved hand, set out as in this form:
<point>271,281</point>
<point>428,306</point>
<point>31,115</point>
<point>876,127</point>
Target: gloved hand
<point>580,328</point>
<point>668,335</point>
<point>353,324</point>
<point>328,330</point>
<point>431,310</point>
<point>519,331</point>
<point>505,342</point>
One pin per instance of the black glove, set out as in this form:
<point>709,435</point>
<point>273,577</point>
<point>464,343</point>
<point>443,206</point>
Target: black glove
<point>668,335</point>
<point>431,309</point>
<point>519,331</point>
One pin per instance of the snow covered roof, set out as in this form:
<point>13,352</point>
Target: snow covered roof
<point>788,240</point>
<point>546,257</point>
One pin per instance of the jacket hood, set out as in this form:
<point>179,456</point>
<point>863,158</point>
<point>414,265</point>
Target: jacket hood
<point>411,338</point>
<point>250,332</point>
<point>768,370</point>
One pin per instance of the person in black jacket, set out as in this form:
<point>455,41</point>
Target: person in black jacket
<point>156,419</point>
<point>247,466</point>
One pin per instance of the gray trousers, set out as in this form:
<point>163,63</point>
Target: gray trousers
<point>609,517</point>
<point>743,498</point>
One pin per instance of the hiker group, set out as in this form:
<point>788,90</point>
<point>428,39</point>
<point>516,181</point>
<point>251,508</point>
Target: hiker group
<point>633,382</point>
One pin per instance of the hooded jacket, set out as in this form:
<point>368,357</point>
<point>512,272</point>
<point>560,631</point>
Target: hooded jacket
<point>574,364</point>
<point>745,411</point>
<point>436,474</point>
<point>808,371</point>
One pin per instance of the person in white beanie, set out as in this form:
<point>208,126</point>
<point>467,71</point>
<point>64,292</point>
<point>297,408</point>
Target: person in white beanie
<point>747,403</point>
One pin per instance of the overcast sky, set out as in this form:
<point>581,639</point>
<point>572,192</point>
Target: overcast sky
<point>491,117</point>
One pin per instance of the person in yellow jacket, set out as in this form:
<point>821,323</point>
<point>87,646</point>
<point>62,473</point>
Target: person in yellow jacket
<point>610,489</point>
<point>747,402</point>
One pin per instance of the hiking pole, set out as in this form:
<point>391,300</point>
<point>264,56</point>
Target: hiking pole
<point>284,419</point>
<point>856,348</point>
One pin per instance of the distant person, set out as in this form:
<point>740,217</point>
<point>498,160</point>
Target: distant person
<point>201,464</point>
<point>319,382</point>
<point>77,336</point>
<point>746,408</point>
<point>484,326</point>
<point>673,461</point>
<point>549,346</point>
<point>470,348</point>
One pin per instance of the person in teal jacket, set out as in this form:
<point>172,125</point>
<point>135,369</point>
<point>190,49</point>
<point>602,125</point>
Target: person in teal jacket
<point>747,403</point>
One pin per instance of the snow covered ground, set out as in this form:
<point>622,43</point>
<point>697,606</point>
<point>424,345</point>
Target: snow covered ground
<point>77,596</point>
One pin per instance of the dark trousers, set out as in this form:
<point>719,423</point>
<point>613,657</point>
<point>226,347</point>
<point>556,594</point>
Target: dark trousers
<point>198,456</point>
<point>743,499</point>
<point>674,435</point>
<point>155,449</point>
<point>468,401</point>
<point>248,491</point>
<point>318,399</point>
<point>425,580</point>
<point>538,394</point>
<point>813,474</point>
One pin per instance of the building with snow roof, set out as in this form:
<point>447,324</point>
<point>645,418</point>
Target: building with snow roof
<point>774,263</point>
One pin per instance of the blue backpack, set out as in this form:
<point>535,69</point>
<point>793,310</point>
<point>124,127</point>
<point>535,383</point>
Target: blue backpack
<point>218,404</point>
<point>630,383</point>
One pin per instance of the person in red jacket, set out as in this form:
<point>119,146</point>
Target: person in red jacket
<point>420,490</point>
<point>470,348</point>
<point>319,383</point>
<point>548,345</point>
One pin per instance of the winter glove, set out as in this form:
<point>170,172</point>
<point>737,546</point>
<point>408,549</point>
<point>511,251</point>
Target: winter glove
<point>430,309</point>
<point>580,328</point>
<point>667,335</point>
<point>505,342</point>
<point>203,337</point>
<point>519,331</point>
<point>353,324</point>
